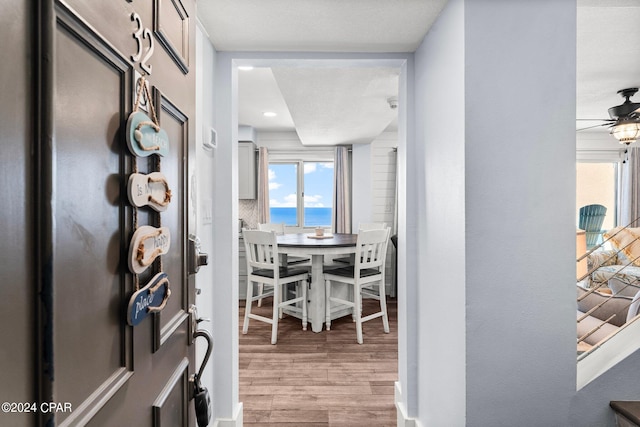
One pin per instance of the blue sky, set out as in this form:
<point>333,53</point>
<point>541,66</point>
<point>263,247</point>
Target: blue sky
<point>318,182</point>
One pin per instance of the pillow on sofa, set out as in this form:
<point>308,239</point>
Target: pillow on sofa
<point>634,307</point>
<point>602,258</point>
<point>623,260</point>
<point>625,288</point>
<point>626,240</point>
<point>616,305</point>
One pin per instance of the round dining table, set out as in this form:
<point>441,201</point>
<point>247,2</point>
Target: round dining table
<point>305,244</point>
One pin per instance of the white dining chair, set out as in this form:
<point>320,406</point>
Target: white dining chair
<point>263,267</point>
<point>367,272</point>
<point>278,228</point>
<point>366,226</point>
<point>363,226</point>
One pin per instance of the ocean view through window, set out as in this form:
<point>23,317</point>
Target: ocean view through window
<point>301,193</point>
<point>313,217</point>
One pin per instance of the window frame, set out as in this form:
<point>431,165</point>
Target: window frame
<point>608,158</point>
<point>299,159</point>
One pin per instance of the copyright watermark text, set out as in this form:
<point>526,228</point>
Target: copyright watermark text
<point>44,407</point>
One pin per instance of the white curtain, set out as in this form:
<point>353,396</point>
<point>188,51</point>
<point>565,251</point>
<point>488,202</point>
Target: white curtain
<point>629,203</point>
<point>263,185</point>
<point>342,191</point>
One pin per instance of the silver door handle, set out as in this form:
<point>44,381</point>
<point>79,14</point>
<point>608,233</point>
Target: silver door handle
<point>195,258</point>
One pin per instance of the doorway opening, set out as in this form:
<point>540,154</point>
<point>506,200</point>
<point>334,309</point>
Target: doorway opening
<point>258,359</point>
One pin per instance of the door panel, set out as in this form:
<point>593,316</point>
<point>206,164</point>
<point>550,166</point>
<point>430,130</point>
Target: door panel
<point>111,373</point>
<point>17,271</point>
<point>88,282</point>
<point>171,26</point>
<point>169,408</point>
<point>175,123</point>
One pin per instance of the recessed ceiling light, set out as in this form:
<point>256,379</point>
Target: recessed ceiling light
<point>269,114</point>
<point>245,67</point>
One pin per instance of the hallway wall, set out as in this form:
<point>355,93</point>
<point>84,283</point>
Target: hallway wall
<point>204,179</point>
<point>436,161</point>
<point>504,351</point>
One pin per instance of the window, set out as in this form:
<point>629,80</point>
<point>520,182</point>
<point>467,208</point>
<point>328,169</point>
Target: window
<point>596,183</point>
<point>301,192</point>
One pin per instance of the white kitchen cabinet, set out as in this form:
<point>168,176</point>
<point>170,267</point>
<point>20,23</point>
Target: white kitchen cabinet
<point>247,186</point>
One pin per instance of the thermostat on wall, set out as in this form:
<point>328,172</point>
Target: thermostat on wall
<point>210,138</point>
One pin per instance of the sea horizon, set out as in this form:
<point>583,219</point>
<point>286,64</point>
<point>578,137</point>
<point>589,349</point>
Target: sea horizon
<point>313,217</point>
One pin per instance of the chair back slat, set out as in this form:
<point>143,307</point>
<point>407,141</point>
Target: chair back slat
<point>272,226</point>
<point>366,226</point>
<point>261,249</point>
<point>371,248</point>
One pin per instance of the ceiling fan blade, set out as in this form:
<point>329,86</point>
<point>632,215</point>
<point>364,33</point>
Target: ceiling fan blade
<point>595,126</point>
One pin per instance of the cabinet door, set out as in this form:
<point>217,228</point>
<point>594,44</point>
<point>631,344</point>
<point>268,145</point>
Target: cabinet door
<point>247,170</point>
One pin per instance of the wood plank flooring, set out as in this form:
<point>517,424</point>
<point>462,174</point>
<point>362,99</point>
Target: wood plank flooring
<point>319,379</point>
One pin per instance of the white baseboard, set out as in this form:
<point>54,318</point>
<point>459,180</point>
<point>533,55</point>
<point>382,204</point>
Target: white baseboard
<point>237,420</point>
<point>403,419</point>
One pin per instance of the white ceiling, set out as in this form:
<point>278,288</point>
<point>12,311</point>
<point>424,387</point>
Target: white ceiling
<point>318,26</point>
<point>258,92</point>
<point>608,56</point>
<point>348,105</point>
<point>325,106</point>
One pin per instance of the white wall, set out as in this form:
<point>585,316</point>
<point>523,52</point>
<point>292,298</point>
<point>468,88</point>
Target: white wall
<point>383,168</point>
<point>535,167</point>
<point>504,349</point>
<point>225,212</point>
<point>383,194</point>
<point>374,198</point>
<point>216,184</point>
<point>437,159</point>
<point>204,187</point>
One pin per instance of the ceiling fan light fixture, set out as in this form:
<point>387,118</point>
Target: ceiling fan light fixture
<point>626,131</point>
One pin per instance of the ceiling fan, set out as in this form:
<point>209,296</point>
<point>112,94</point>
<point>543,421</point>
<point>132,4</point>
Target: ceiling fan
<point>625,118</point>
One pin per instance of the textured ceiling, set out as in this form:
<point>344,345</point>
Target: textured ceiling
<point>608,47</point>
<point>324,106</point>
<point>318,25</point>
<point>338,106</point>
<point>258,92</point>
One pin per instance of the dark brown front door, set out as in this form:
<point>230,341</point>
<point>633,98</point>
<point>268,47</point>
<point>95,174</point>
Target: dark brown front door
<point>91,366</point>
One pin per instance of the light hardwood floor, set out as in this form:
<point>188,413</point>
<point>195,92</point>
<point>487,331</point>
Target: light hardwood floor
<point>319,379</point>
